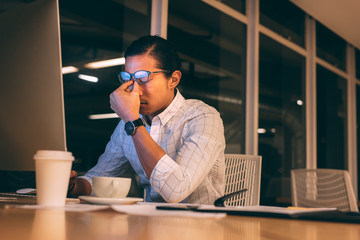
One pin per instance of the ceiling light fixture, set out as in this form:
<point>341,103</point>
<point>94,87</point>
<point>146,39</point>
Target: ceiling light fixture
<point>106,63</point>
<point>261,130</point>
<point>88,78</point>
<point>299,102</point>
<point>103,116</point>
<point>69,69</point>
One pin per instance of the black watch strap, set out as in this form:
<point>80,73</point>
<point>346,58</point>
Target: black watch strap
<point>130,126</point>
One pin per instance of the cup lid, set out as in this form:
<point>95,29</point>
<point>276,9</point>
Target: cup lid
<point>54,154</point>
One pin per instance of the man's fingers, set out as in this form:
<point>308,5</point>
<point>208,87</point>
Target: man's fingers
<point>72,182</point>
<point>136,87</point>
<point>71,187</point>
<point>126,85</point>
<point>73,174</point>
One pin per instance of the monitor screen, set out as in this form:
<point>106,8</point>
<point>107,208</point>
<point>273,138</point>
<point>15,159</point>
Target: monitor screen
<point>31,90</point>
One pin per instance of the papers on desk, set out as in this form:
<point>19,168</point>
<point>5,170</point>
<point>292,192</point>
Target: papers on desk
<point>149,209</point>
<point>143,209</point>
<point>70,207</point>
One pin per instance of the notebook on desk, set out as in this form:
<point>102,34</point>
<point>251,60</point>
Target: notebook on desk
<point>316,214</point>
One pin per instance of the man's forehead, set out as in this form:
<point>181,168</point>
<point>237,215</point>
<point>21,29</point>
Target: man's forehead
<point>140,62</point>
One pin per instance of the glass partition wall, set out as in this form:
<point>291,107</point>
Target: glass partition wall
<point>212,46</point>
<point>331,119</point>
<point>211,37</point>
<point>282,132</point>
<point>281,117</point>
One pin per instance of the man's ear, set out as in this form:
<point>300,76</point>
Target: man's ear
<point>174,79</point>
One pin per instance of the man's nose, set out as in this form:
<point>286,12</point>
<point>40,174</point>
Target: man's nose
<point>132,76</point>
<point>141,89</point>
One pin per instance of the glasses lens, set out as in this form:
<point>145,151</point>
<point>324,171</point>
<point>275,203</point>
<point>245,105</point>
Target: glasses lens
<point>125,76</point>
<point>141,76</point>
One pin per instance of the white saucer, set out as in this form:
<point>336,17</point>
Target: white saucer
<point>107,201</point>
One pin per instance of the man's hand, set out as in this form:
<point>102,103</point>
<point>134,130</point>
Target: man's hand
<point>126,103</point>
<point>78,186</point>
<point>73,176</point>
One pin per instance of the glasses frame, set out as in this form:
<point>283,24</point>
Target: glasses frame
<point>132,75</point>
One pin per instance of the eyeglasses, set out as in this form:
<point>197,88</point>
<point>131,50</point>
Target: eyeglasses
<point>140,76</point>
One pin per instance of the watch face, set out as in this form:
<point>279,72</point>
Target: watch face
<point>129,128</point>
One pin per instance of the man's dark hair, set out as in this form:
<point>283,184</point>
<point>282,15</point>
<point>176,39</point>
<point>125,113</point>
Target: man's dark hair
<point>159,48</point>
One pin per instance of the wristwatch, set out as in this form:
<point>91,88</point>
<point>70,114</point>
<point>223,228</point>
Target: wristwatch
<point>130,127</point>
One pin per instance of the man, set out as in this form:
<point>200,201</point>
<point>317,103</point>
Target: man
<point>176,146</point>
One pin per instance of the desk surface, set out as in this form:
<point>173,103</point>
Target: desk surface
<point>26,224</point>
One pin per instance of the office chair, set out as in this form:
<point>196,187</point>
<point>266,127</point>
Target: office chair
<point>322,188</point>
<point>242,172</point>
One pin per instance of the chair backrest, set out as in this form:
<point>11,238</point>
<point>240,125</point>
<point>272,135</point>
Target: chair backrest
<point>243,171</point>
<point>322,188</point>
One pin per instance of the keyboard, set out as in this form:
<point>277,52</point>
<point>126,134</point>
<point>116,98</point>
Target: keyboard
<point>16,198</point>
<point>30,199</point>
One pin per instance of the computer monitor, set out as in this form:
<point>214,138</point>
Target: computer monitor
<point>31,90</point>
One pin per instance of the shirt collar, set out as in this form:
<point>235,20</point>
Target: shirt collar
<point>170,111</point>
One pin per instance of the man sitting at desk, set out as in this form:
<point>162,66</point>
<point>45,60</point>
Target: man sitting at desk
<point>176,146</point>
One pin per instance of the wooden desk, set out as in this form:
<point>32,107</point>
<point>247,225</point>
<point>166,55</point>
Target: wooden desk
<point>26,224</point>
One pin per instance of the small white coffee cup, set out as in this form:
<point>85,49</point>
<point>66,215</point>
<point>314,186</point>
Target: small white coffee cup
<point>52,176</point>
<point>111,187</point>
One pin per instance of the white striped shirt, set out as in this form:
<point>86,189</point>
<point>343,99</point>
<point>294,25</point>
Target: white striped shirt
<point>193,168</point>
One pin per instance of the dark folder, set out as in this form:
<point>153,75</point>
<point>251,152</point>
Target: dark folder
<point>314,214</point>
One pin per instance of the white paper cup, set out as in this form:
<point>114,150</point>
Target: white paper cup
<point>111,187</point>
<point>52,177</point>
